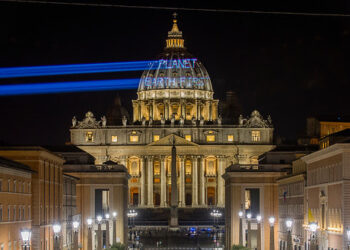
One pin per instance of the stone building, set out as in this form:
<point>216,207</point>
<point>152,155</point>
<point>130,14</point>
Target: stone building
<point>327,197</point>
<point>46,189</point>
<point>175,103</point>
<point>15,202</point>
<point>291,202</point>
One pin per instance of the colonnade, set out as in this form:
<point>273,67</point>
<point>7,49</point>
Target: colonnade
<point>151,109</point>
<point>198,185</point>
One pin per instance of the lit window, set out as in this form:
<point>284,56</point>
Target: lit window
<point>134,138</point>
<point>134,169</point>
<point>247,199</point>
<point>188,167</point>
<point>89,137</point>
<point>156,137</point>
<point>230,138</point>
<point>188,137</point>
<point>210,138</point>
<point>114,138</point>
<point>255,135</point>
<point>156,168</point>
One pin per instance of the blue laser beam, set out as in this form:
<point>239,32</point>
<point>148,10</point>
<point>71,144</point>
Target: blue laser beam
<point>69,69</point>
<point>64,87</point>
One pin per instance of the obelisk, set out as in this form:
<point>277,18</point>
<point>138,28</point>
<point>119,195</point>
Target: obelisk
<point>174,221</point>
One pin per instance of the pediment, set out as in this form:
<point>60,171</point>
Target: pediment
<point>169,139</point>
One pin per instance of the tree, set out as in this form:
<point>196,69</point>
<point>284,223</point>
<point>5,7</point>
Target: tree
<point>117,246</point>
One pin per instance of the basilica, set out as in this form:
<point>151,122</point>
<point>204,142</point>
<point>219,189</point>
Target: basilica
<point>175,102</point>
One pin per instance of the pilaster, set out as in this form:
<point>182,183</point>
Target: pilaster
<point>202,181</point>
<point>162,182</point>
<point>220,181</point>
<point>143,181</point>
<point>182,181</point>
<point>150,181</point>
<point>194,181</point>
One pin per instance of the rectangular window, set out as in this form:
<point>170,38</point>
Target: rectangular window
<point>14,187</point>
<point>14,213</point>
<point>114,138</point>
<point>210,138</point>
<point>188,137</point>
<point>255,135</point>
<point>156,137</point>
<point>101,202</point>
<point>29,215</point>
<point>252,201</point>
<point>89,137</point>
<point>8,185</point>
<point>23,214</point>
<point>8,213</point>
<point>1,213</point>
<point>134,138</point>
<point>230,138</point>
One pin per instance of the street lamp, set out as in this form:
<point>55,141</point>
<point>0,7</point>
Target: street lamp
<point>56,230</point>
<point>313,228</point>
<point>240,214</point>
<point>348,234</point>
<point>216,214</point>
<point>249,241</point>
<point>258,219</point>
<point>272,232</point>
<point>131,215</point>
<point>289,224</point>
<point>26,234</point>
<point>114,228</point>
<point>107,230</point>
<point>75,237</point>
<point>89,223</point>
<point>99,233</point>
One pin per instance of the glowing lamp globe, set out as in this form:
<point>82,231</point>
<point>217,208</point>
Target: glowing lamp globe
<point>56,228</point>
<point>107,216</point>
<point>114,214</point>
<point>313,227</point>
<point>26,234</point>
<point>249,216</point>
<point>89,221</point>
<point>272,220</point>
<point>99,219</point>
<point>240,214</point>
<point>258,218</point>
<point>289,223</point>
<point>75,224</point>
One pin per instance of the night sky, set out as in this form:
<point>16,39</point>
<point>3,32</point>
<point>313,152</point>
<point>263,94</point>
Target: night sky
<point>290,67</point>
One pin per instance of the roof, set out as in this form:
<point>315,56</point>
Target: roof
<point>7,163</point>
<point>64,148</point>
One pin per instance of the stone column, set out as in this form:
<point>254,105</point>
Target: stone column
<point>89,244</point>
<point>221,182</point>
<point>139,111</point>
<point>150,107</point>
<point>150,181</point>
<point>182,182</point>
<point>143,182</point>
<point>210,111</point>
<point>198,110</point>
<point>154,109</point>
<point>183,109</point>
<point>166,107</point>
<point>99,237</point>
<point>202,181</point>
<point>108,243</point>
<point>162,182</point>
<point>194,181</point>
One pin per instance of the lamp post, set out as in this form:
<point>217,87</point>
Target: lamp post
<point>75,236</point>
<point>289,224</point>
<point>56,236</point>
<point>114,238</point>
<point>272,232</point>
<point>107,231</point>
<point>240,214</point>
<point>99,233</point>
<point>258,219</point>
<point>89,223</point>
<point>313,229</point>
<point>249,241</point>
<point>26,234</point>
<point>348,235</point>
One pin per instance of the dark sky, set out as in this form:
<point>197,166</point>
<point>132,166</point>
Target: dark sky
<point>288,66</point>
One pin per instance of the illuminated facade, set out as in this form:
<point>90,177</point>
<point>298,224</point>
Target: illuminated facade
<point>175,100</point>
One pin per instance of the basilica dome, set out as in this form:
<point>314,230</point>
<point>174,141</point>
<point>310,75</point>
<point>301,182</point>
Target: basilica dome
<point>175,68</point>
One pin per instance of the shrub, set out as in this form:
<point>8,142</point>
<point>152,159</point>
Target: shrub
<point>117,246</point>
<point>239,247</point>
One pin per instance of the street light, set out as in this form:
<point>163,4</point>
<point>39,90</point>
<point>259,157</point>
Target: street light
<point>216,214</point>
<point>249,241</point>
<point>89,222</point>
<point>240,214</point>
<point>313,228</point>
<point>107,230</point>
<point>258,219</point>
<point>348,234</point>
<point>75,237</point>
<point>26,234</point>
<point>131,215</point>
<point>289,224</point>
<point>56,230</point>
<point>99,233</point>
<point>272,232</point>
<point>114,228</point>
